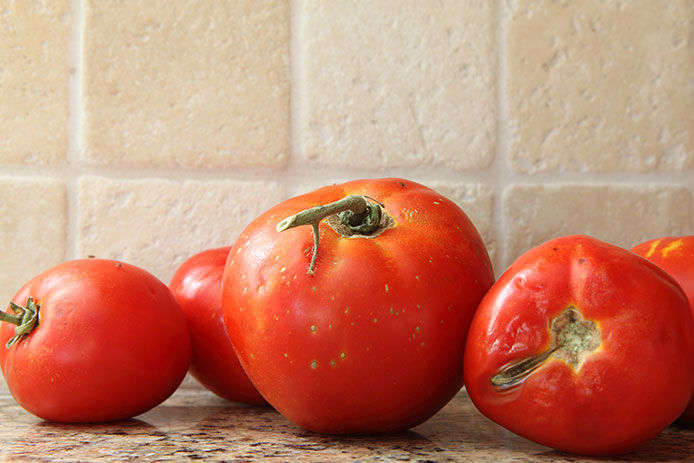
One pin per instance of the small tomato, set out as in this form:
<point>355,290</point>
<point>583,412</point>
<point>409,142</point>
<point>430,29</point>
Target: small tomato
<point>675,255</point>
<point>359,326</point>
<point>197,286</point>
<point>98,340</point>
<point>580,346</point>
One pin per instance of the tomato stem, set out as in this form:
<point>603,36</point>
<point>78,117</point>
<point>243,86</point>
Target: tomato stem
<point>355,212</point>
<point>26,319</point>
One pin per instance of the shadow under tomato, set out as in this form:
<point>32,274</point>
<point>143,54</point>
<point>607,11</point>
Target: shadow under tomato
<point>672,445</point>
<point>49,441</point>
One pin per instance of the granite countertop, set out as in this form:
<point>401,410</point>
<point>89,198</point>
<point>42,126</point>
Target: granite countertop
<point>196,425</point>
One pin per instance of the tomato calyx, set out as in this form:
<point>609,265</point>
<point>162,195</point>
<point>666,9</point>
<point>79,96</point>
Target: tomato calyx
<point>351,216</point>
<point>26,319</point>
<point>572,339</point>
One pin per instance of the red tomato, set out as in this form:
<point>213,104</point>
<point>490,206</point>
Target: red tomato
<point>197,286</point>
<point>111,342</point>
<point>366,331</point>
<point>580,346</point>
<point>675,255</point>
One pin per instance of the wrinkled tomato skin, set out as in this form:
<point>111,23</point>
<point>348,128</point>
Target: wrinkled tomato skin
<point>111,343</point>
<point>197,286</point>
<point>675,255</point>
<point>373,341</point>
<point>626,391</point>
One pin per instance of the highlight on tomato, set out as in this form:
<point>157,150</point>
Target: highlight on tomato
<point>197,286</point>
<point>675,255</point>
<point>349,306</point>
<point>93,340</point>
<point>582,346</point>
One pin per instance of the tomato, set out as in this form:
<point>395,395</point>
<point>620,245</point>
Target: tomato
<point>675,255</point>
<point>111,342</point>
<point>197,286</point>
<point>579,346</point>
<point>359,326</point>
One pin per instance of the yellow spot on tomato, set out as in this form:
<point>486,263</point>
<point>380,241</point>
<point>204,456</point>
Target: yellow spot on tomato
<point>313,328</point>
<point>343,355</point>
<point>314,364</point>
<point>375,320</point>
<point>332,363</point>
<point>652,249</point>
<point>386,288</point>
<point>673,246</point>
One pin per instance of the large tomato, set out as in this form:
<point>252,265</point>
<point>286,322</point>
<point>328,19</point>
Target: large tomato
<point>675,255</point>
<point>101,340</point>
<point>197,286</point>
<point>581,345</point>
<point>359,326</point>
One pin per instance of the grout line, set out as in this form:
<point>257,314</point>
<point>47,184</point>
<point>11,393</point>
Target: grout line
<point>502,173</point>
<point>70,173</point>
<point>297,110</point>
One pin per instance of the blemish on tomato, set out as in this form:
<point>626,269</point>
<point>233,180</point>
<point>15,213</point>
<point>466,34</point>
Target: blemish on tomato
<point>314,364</point>
<point>673,246</point>
<point>651,250</point>
<point>313,328</point>
<point>343,355</point>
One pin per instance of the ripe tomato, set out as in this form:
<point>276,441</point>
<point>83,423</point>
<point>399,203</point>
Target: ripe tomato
<point>110,343</point>
<point>360,326</point>
<point>675,255</point>
<point>580,346</point>
<point>197,286</point>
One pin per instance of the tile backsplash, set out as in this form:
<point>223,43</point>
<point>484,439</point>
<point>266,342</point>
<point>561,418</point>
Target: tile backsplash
<point>149,130</point>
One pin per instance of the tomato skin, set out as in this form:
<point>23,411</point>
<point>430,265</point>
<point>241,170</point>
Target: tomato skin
<point>111,343</point>
<point>626,391</point>
<point>675,255</point>
<point>372,341</point>
<point>197,286</point>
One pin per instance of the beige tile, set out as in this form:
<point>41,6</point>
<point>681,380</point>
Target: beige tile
<point>601,86</point>
<point>395,83</point>
<point>477,201</point>
<point>33,232</point>
<point>193,83</point>
<point>34,80</point>
<point>624,215</point>
<point>157,224</point>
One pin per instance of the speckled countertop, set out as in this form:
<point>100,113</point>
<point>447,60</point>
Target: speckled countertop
<point>195,425</point>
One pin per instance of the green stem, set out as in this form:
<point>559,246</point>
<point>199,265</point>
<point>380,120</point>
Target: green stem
<point>26,319</point>
<point>354,203</point>
<point>355,211</point>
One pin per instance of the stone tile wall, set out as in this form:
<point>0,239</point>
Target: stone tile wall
<point>149,130</point>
